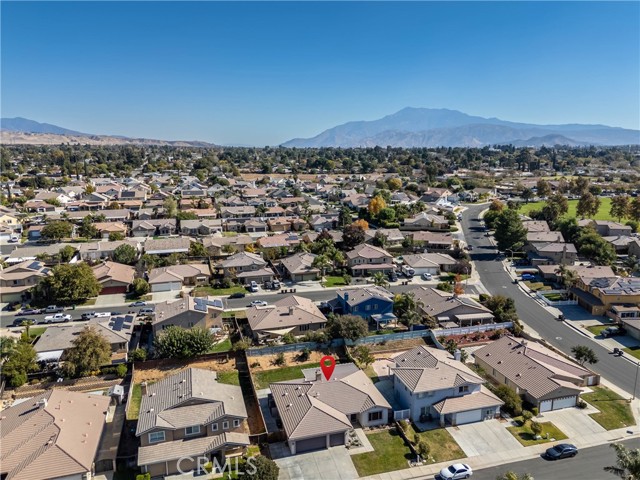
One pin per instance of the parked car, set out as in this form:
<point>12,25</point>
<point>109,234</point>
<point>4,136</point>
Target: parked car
<point>87,315</point>
<point>427,276</point>
<point>237,295</point>
<point>29,311</point>
<point>53,309</point>
<point>18,321</point>
<point>253,287</point>
<point>275,284</point>
<point>258,303</point>
<point>455,472</point>
<point>147,311</point>
<point>393,277</point>
<point>612,331</point>
<point>139,303</point>
<point>57,318</point>
<point>528,276</point>
<point>562,450</point>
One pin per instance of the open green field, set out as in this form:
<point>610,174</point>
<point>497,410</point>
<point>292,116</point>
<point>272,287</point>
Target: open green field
<point>603,212</point>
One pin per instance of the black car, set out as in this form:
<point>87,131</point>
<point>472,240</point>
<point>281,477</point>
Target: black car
<point>393,277</point>
<point>18,321</point>
<point>562,450</point>
<point>237,295</point>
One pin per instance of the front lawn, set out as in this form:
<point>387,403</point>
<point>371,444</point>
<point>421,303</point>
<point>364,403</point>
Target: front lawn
<point>223,346</point>
<point>206,291</point>
<point>597,329</point>
<point>527,438</point>
<point>144,298</point>
<point>633,351</point>
<point>36,331</point>
<point>554,297</point>
<point>330,281</point>
<point>230,378</point>
<point>443,447</point>
<point>614,410</point>
<point>264,378</point>
<point>536,285</point>
<point>391,453</point>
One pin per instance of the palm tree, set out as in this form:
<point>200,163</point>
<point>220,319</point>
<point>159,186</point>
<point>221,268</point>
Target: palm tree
<point>27,325</point>
<point>322,262</point>
<point>379,279</point>
<point>568,277</point>
<point>627,463</point>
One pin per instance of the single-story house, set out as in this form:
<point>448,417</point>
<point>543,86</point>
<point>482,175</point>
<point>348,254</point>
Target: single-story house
<point>174,277</point>
<point>114,277</point>
<point>291,314</point>
<point>299,267</point>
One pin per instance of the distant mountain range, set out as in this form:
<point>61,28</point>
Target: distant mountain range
<point>22,131</point>
<point>428,127</point>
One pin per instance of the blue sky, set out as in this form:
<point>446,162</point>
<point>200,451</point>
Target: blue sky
<point>262,73</point>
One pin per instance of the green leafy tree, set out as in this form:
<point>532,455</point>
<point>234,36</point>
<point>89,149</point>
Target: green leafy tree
<point>27,326</point>
<point>352,235</point>
<point>66,253</point>
<point>620,207</point>
<point>512,401</point>
<point>543,188</point>
<point>536,428</point>
<point>125,254</point>
<point>634,209</point>
<point>261,468</point>
<point>176,342</point>
<point>57,230</point>
<point>344,217</point>
<point>170,207</point>
<point>380,240</point>
<point>139,355</point>
<point>116,236</point>
<point>510,234</point>
<point>379,279</point>
<point>584,354</point>
<point>555,207</point>
<point>363,355</point>
<point>69,284</point>
<point>423,449</point>
<point>590,244</point>
<point>140,287</point>
<point>322,262</point>
<point>407,308</point>
<point>197,249</point>
<point>87,229</point>
<point>527,194</point>
<point>588,205</point>
<point>90,351</point>
<point>503,308</point>
<point>7,344</point>
<point>627,464</point>
<point>21,360</point>
<point>349,327</point>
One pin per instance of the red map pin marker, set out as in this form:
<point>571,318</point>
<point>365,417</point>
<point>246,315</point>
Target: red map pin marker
<point>327,370</point>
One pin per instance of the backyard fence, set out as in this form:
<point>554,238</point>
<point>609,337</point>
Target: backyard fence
<point>401,414</point>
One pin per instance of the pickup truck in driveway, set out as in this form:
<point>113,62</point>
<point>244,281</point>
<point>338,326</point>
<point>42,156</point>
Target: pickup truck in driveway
<point>57,318</point>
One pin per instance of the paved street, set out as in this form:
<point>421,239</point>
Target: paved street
<point>588,465</point>
<point>618,371</point>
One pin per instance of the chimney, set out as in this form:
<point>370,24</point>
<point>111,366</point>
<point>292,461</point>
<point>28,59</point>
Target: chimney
<point>42,403</point>
<point>346,296</point>
<point>143,388</point>
<point>291,310</point>
<point>318,375</point>
<point>457,355</point>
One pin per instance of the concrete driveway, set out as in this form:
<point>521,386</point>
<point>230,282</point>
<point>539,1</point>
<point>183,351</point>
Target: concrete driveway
<point>484,438</point>
<point>332,464</point>
<point>573,422</point>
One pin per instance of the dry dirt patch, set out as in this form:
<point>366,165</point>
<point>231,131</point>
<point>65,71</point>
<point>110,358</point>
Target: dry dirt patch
<point>266,362</point>
<point>165,368</point>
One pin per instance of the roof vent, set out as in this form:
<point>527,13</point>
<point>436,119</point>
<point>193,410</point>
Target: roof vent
<point>153,394</point>
<point>151,410</point>
<point>499,362</point>
<point>518,375</point>
<point>289,405</point>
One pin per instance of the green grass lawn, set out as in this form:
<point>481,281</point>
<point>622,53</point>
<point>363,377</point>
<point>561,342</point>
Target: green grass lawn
<point>633,351</point>
<point>536,285</point>
<point>614,410</point>
<point>144,298</point>
<point>133,409</point>
<point>603,212</point>
<point>330,281</point>
<point>371,373</point>
<point>205,291</point>
<point>36,331</point>
<point>223,346</point>
<point>391,453</point>
<point>443,447</point>
<point>264,378</point>
<point>554,297</point>
<point>596,329</point>
<point>229,378</point>
<point>526,437</point>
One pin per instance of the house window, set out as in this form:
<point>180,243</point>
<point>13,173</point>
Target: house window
<point>354,309</point>
<point>214,427</point>
<point>155,437</point>
<point>192,430</point>
<point>463,389</point>
<point>367,307</point>
<point>304,328</point>
<point>375,416</point>
<point>375,306</point>
<point>225,425</point>
<point>424,410</point>
<point>236,423</point>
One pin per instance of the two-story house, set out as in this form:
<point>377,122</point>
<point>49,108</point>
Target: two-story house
<point>434,385</point>
<point>364,302</point>
<point>317,413</point>
<point>191,418</point>
<point>16,281</point>
<point>365,260</point>
<point>247,267</point>
<point>153,227</point>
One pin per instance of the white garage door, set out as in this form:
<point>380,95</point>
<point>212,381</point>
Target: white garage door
<point>166,287</point>
<point>546,406</point>
<point>564,402</point>
<point>468,417</point>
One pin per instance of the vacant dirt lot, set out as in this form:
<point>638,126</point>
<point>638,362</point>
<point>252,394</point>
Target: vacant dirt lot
<point>266,362</point>
<point>168,367</point>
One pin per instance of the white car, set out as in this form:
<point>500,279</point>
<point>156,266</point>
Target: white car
<point>57,318</point>
<point>427,276</point>
<point>455,472</point>
<point>258,303</point>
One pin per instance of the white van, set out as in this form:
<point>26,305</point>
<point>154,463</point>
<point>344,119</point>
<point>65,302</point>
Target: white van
<point>253,287</point>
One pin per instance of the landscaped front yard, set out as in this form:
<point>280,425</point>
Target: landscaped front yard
<point>391,453</point>
<point>526,437</point>
<point>330,281</point>
<point>633,351</point>
<point>206,291</point>
<point>597,329</point>
<point>615,412</point>
<point>443,447</point>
